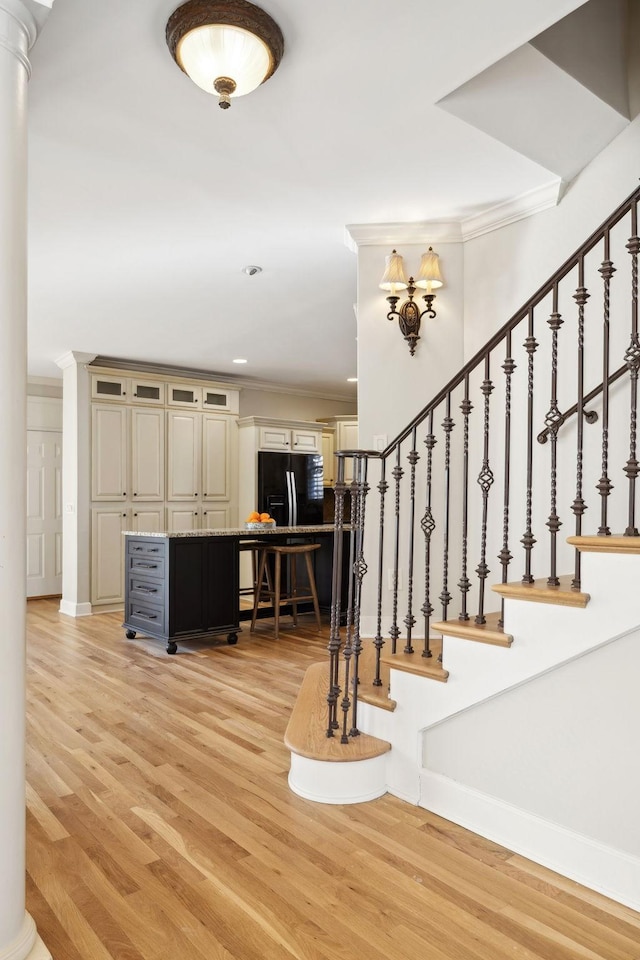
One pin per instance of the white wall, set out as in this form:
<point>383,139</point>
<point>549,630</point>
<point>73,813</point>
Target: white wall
<point>559,747</point>
<point>290,406</point>
<point>502,269</point>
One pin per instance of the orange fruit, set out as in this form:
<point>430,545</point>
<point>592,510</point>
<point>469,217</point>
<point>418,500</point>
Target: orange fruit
<point>265,516</point>
<point>253,517</point>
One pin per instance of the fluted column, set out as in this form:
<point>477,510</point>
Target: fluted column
<point>19,22</point>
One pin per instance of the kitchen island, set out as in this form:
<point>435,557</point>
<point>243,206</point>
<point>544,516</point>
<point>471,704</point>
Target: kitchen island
<point>185,586</point>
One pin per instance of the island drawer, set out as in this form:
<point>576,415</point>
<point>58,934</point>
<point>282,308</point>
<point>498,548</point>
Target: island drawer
<point>147,566</point>
<point>145,616</point>
<point>145,591</point>
<point>146,548</point>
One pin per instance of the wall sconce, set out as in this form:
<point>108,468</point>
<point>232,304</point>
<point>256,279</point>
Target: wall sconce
<point>227,47</point>
<point>394,279</point>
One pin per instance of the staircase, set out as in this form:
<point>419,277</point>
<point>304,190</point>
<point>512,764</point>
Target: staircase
<point>528,456</point>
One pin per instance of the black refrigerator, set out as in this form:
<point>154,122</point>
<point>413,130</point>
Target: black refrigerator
<point>290,487</point>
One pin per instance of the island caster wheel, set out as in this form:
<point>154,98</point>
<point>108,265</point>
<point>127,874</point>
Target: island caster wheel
<point>232,639</point>
<point>130,634</point>
<point>172,647</point>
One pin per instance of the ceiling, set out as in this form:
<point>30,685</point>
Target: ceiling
<point>146,200</point>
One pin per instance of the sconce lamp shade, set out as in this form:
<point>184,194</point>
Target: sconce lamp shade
<point>429,276</point>
<point>227,47</point>
<point>394,277</point>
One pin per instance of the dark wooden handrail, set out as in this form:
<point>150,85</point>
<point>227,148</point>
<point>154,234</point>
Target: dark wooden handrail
<point>590,415</point>
<point>517,318</point>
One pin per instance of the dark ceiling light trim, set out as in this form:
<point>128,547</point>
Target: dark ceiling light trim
<point>195,14</point>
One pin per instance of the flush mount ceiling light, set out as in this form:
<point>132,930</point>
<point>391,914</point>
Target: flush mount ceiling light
<point>227,47</point>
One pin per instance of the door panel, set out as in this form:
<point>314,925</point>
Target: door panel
<point>44,513</point>
<point>216,457</point>
<point>183,462</point>
<point>107,554</point>
<point>147,451</point>
<point>109,452</point>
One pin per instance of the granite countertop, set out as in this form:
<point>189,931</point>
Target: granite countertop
<point>235,532</point>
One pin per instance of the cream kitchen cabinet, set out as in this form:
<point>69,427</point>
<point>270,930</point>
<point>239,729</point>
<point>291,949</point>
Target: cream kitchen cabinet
<point>109,452</point>
<point>106,387</point>
<point>147,454</point>
<point>184,448</point>
<point>107,553</point>
<point>345,437</point>
<point>148,519</point>
<point>328,458</point>
<point>289,439</point>
<point>219,446</point>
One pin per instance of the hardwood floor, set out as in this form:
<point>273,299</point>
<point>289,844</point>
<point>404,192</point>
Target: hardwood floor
<point>160,824</point>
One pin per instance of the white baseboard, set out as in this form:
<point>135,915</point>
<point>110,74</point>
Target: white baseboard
<point>604,869</point>
<point>329,782</point>
<point>71,609</point>
<point>27,945</point>
<point>39,951</point>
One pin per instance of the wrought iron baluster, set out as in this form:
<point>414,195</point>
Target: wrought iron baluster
<point>335,639</point>
<point>394,632</point>
<point>553,422</point>
<point>464,584</point>
<point>485,482</point>
<point>528,540</point>
<point>447,426</point>
<point>632,359</point>
<point>428,526</point>
<point>348,649</point>
<point>579,506</point>
<point>604,485</point>
<point>359,572</point>
<point>410,620</point>
<point>378,642</point>
<point>505,556</point>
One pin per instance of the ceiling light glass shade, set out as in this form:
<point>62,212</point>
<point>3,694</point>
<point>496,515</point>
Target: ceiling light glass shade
<point>394,277</point>
<point>219,50</point>
<point>429,275</point>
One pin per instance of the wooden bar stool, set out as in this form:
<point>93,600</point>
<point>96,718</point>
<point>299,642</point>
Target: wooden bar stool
<point>275,594</point>
<point>255,547</point>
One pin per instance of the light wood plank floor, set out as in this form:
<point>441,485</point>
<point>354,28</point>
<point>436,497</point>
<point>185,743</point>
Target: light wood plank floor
<point>160,824</point>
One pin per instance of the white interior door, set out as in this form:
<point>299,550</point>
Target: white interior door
<point>44,513</point>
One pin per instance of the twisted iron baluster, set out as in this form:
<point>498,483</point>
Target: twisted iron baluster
<point>553,422</point>
<point>394,632</point>
<point>410,620</point>
<point>528,540</point>
<point>505,556</point>
<point>428,526</point>
<point>632,359</point>
<point>447,426</point>
<point>604,485</point>
<point>378,642</point>
<point>347,652</point>
<point>485,481</point>
<point>464,583</point>
<point>335,640</point>
<point>579,506</point>
<point>359,572</point>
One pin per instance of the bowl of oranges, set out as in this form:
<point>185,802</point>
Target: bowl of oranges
<point>259,521</point>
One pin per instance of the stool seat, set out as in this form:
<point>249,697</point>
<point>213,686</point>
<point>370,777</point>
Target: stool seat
<point>274,593</point>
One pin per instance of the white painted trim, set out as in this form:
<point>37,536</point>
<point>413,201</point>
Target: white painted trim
<point>98,608</point>
<point>71,609</point>
<point>72,356</point>
<point>328,782</point>
<point>595,865</point>
<point>21,946</point>
<point>358,235</point>
<point>39,951</point>
<point>518,208</point>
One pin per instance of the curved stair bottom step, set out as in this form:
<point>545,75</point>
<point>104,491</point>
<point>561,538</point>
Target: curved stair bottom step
<point>323,781</point>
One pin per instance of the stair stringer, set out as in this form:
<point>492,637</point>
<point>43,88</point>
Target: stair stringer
<point>545,637</point>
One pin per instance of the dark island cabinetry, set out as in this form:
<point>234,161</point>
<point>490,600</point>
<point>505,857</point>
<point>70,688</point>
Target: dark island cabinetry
<point>181,588</point>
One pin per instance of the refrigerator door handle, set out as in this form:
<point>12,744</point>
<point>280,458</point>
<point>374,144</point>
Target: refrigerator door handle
<point>294,499</point>
<point>289,499</point>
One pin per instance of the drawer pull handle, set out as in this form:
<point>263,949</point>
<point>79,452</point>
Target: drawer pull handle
<point>146,589</point>
<point>145,616</point>
<point>149,566</point>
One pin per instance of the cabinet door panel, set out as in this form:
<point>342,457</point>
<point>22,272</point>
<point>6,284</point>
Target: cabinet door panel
<point>216,518</point>
<point>328,459</point>
<point>216,456</point>
<point>107,554</point>
<point>305,441</point>
<point>275,438</point>
<point>147,454</point>
<point>181,519</point>
<point>347,439</point>
<point>148,521</point>
<point>183,460</point>
<point>109,452</point>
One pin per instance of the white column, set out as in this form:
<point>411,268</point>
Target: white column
<point>18,31</point>
<point>76,484</point>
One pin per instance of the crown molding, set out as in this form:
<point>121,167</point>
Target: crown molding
<point>72,357</point>
<point>518,208</point>
<point>358,235</point>
<point>188,373</point>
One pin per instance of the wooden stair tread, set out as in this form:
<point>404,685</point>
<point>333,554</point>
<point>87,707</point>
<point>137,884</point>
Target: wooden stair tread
<point>540,592</point>
<point>488,632</point>
<point>612,544</point>
<point>306,731</point>
<point>415,663</point>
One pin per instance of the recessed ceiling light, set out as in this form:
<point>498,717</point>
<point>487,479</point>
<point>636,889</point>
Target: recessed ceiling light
<point>252,270</point>
<point>239,360</point>
<point>352,379</point>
